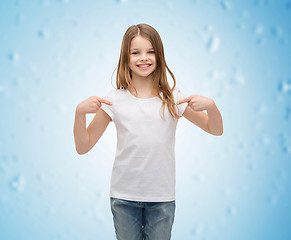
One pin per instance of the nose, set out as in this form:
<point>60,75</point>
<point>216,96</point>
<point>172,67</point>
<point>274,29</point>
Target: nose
<point>143,56</point>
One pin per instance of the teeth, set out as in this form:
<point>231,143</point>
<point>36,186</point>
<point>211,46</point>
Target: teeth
<point>143,65</point>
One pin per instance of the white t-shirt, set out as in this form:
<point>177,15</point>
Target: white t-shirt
<point>144,167</point>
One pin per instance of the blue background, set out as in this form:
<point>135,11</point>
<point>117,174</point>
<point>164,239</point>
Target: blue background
<point>55,54</point>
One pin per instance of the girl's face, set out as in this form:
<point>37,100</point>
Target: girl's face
<point>142,59</point>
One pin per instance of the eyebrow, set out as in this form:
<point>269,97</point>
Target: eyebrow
<point>138,48</point>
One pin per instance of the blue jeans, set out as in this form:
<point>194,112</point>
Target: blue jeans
<point>142,220</point>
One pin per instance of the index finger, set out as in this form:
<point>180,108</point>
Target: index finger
<point>187,99</point>
<point>102,100</point>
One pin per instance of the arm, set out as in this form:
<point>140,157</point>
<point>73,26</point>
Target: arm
<point>97,127</point>
<point>81,135</point>
<point>85,139</point>
<point>210,122</point>
<point>200,119</point>
<point>215,124</point>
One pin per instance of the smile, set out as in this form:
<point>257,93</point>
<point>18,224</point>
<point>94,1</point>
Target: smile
<point>144,66</point>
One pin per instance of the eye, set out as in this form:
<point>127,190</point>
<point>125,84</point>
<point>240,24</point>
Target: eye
<point>151,51</point>
<point>134,53</point>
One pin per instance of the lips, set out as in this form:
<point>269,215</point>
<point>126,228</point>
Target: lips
<point>144,65</point>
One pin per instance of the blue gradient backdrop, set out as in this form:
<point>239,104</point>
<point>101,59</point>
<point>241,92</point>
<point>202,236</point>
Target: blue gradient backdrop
<point>55,54</point>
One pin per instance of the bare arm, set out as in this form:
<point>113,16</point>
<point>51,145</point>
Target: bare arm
<point>210,122</point>
<point>215,124</point>
<point>200,119</point>
<point>97,127</point>
<point>86,138</point>
<point>81,135</point>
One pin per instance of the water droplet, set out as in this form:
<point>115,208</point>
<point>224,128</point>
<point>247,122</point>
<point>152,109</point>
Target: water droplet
<point>276,31</point>
<point>265,140</point>
<point>98,195</point>
<point>251,166</point>
<point>208,28</point>
<point>240,26</point>
<point>213,44</point>
<point>43,34</point>
<point>225,5</point>
<point>43,128</point>
<point>39,178</point>
<point>287,113</point>
<point>215,75</point>
<point>15,57</point>
<point>19,18</point>
<point>85,212</point>
<point>17,82</point>
<point>198,178</point>
<point>238,79</point>
<point>80,175</point>
<point>17,183</point>
<point>259,30</point>
<point>262,2</point>
<point>41,194</point>
<point>195,1</point>
<point>122,1</point>
<point>15,158</point>
<point>245,14</point>
<point>283,144</point>
<point>62,108</point>
<point>4,158</point>
<point>28,119</point>
<point>231,210</point>
<point>3,169</point>
<point>197,231</point>
<point>261,109</point>
<point>259,41</point>
<point>258,33</point>
<point>285,86</point>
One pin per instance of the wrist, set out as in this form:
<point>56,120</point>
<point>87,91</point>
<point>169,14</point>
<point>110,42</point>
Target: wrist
<point>79,111</point>
<point>211,105</point>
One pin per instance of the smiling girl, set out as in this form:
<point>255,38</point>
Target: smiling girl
<point>145,111</point>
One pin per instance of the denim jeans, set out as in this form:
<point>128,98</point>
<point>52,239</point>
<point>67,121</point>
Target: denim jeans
<point>142,220</point>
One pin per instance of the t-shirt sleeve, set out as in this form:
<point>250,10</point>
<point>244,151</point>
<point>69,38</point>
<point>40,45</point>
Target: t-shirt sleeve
<point>178,95</point>
<point>107,108</point>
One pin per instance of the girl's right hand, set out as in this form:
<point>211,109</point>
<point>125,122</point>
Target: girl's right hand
<point>91,105</point>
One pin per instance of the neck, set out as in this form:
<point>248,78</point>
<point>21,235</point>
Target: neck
<point>143,85</point>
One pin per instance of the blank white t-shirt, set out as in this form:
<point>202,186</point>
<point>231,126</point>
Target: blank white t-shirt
<point>144,166</point>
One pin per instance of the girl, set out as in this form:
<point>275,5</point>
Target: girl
<point>145,111</point>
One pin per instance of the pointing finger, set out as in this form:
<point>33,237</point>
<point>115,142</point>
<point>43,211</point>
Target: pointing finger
<point>105,101</point>
<point>187,99</point>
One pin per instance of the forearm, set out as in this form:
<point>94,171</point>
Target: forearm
<point>215,124</point>
<point>80,133</point>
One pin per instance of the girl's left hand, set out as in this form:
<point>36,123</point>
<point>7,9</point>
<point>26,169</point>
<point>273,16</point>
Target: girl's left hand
<point>197,102</point>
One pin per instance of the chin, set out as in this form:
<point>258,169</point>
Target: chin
<point>143,75</point>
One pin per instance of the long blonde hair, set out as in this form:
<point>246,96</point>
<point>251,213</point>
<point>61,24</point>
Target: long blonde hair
<point>160,82</point>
